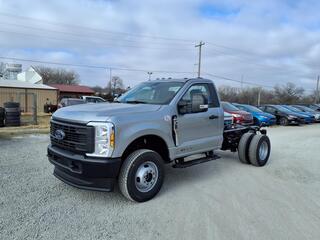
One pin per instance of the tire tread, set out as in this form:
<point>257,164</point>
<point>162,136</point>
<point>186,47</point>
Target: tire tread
<point>243,147</point>
<point>123,176</point>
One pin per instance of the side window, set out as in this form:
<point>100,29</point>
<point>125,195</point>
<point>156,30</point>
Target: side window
<point>214,100</point>
<point>241,108</point>
<point>196,99</point>
<point>270,109</point>
<point>201,89</point>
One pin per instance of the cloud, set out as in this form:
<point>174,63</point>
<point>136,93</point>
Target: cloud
<point>268,42</point>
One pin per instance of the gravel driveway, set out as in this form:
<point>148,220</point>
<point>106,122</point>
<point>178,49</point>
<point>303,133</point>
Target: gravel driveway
<point>223,199</point>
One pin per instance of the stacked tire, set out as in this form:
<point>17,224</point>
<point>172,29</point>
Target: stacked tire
<point>12,114</point>
<point>2,115</point>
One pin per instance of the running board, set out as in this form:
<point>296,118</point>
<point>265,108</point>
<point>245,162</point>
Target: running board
<point>190,163</point>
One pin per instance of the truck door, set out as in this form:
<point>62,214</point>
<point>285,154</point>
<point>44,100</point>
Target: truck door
<point>199,121</point>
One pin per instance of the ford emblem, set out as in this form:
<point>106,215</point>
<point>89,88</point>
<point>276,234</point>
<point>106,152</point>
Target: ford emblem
<point>59,134</point>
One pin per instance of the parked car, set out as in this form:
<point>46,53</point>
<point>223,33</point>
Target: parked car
<point>65,102</point>
<point>239,116</point>
<point>93,146</point>
<point>93,99</point>
<point>313,106</point>
<point>260,118</point>
<point>228,119</point>
<point>315,113</point>
<point>309,118</point>
<point>283,115</point>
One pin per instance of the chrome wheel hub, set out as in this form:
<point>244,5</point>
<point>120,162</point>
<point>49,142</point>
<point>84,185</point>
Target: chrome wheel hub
<point>263,151</point>
<point>146,176</point>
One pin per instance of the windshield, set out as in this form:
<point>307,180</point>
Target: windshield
<point>229,107</point>
<point>283,109</point>
<point>305,108</point>
<point>252,108</point>
<point>292,108</point>
<point>152,93</point>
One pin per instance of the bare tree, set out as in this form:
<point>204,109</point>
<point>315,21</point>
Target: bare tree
<point>57,75</point>
<point>116,85</point>
<point>288,94</point>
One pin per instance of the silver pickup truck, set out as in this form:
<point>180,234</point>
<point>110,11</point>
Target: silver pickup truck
<point>156,123</point>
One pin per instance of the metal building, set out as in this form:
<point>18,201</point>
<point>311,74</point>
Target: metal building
<point>25,93</point>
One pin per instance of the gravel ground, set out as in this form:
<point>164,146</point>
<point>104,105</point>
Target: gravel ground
<point>223,199</point>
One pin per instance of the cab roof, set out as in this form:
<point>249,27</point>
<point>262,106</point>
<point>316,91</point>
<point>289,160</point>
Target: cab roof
<point>182,80</point>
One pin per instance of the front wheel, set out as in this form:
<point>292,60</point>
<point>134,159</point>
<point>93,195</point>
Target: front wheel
<point>141,175</point>
<point>284,121</point>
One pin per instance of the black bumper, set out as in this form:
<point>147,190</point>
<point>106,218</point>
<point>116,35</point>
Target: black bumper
<point>84,172</point>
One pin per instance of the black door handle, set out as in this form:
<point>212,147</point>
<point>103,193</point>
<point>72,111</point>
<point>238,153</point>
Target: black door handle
<point>213,117</point>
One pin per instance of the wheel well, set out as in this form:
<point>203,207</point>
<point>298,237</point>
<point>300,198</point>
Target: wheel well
<point>151,142</point>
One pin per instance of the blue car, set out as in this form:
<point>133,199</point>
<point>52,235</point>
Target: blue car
<point>260,118</point>
<point>308,117</point>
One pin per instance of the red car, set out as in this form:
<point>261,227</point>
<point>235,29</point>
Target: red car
<point>239,116</point>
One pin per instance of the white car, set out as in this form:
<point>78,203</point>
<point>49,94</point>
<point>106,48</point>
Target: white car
<point>92,99</point>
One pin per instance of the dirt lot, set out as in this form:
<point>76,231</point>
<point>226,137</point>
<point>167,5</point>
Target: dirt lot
<point>223,199</point>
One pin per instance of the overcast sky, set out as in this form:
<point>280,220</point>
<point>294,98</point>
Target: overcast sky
<point>266,42</point>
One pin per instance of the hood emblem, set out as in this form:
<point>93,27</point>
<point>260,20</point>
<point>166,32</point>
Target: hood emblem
<point>59,134</point>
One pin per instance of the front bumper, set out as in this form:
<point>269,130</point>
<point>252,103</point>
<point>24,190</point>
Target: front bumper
<point>266,122</point>
<point>296,121</point>
<point>84,172</point>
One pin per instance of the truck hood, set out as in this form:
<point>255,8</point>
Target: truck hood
<point>85,113</point>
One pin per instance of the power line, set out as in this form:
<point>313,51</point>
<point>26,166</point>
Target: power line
<point>97,29</point>
<point>86,35</point>
<point>264,66</point>
<point>106,45</point>
<point>94,66</point>
<point>237,81</point>
<point>110,68</point>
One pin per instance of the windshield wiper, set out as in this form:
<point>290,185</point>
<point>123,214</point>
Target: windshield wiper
<point>135,101</point>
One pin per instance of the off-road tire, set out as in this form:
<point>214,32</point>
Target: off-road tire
<point>254,149</point>
<point>243,147</point>
<point>128,170</point>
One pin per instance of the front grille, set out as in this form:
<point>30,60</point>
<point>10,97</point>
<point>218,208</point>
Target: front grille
<point>78,138</point>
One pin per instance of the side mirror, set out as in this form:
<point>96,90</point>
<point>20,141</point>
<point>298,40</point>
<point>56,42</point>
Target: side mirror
<point>198,103</point>
<point>182,107</point>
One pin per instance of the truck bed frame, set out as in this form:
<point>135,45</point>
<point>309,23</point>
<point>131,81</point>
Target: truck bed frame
<point>233,133</point>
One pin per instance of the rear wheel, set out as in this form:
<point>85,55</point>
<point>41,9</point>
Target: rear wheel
<point>243,147</point>
<point>141,175</point>
<point>259,150</point>
<point>283,121</point>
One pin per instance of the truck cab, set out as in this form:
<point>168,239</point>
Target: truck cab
<point>128,141</point>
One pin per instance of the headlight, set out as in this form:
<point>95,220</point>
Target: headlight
<point>236,115</point>
<point>103,139</point>
<point>291,116</point>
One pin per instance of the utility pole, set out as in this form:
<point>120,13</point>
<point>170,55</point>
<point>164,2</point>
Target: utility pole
<point>317,91</point>
<point>259,96</point>
<point>241,82</point>
<point>199,62</point>
<point>110,76</point>
<point>149,73</point>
